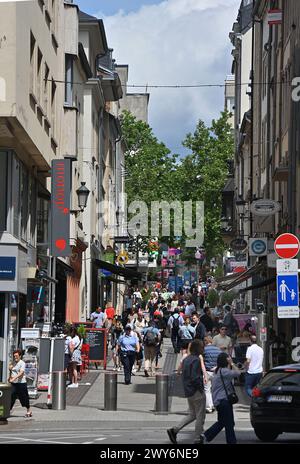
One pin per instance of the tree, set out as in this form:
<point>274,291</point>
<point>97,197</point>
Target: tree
<point>203,175</point>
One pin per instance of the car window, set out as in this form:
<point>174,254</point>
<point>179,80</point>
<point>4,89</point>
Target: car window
<point>281,378</point>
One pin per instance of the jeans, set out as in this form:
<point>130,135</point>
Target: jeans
<point>251,380</point>
<point>127,359</point>
<point>175,340</point>
<point>225,419</point>
<point>197,411</point>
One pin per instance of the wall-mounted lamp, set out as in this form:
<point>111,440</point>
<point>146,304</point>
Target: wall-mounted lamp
<point>82,195</point>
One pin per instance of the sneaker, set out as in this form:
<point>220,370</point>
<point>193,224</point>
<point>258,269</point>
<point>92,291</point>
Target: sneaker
<point>119,369</point>
<point>114,368</point>
<point>209,410</point>
<point>200,440</point>
<point>73,385</point>
<point>172,435</point>
<point>146,373</point>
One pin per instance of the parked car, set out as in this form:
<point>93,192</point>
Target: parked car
<point>275,404</point>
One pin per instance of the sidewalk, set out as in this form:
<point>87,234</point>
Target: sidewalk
<point>136,402</point>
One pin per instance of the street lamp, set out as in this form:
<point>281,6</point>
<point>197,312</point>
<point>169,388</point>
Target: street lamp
<point>82,195</point>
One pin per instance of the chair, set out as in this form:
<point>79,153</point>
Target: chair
<point>85,357</point>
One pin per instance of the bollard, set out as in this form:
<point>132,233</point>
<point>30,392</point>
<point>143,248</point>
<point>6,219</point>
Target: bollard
<point>59,390</point>
<point>162,394</point>
<point>5,400</point>
<point>110,391</point>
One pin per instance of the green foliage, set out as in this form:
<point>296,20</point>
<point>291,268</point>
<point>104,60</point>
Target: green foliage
<point>219,272</point>
<point>81,330</point>
<point>212,298</point>
<point>228,297</point>
<point>154,174</point>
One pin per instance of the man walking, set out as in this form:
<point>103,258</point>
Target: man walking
<point>211,354</point>
<point>98,317</point>
<point>222,340</point>
<point>254,365</point>
<point>151,340</point>
<point>192,377</point>
<point>200,330</point>
<point>174,322</point>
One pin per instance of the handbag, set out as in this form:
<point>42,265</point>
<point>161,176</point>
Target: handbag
<point>232,397</point>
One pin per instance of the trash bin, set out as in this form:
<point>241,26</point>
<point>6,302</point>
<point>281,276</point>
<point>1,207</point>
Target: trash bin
<point>5,400</point>
<point>59,390</point>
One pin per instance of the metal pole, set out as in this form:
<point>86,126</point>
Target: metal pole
<point>162,394</point>
<point>49,395</point>
<point>59,390</point>
<point>110,391</point>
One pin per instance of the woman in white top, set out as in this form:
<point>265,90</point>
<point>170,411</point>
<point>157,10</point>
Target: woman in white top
<point>75,354</point>
<point>18,382</point>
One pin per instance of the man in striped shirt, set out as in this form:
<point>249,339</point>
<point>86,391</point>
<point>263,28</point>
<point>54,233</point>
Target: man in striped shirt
<point>211,354</point>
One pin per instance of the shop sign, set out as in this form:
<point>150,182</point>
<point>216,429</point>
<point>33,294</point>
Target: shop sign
<point>60,207</point>
<point>7,267</point>
<point>265,207</point>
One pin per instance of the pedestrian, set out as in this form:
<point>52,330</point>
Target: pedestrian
<point>186,334</point>
<point>75,357</point>
<point>222,340</point>
<point>211,354</point>
<point>253,365</point>
<point>17,379</point>
<point>98,317</point>
<point>174,322</point>
<point>67,359</point>
<point>192,378</point>
<point>127,346</point>
<point>151,339</point>
<point>207,320</point>
<point>116,332</point>
<point>222,387</point>
<point>200,330</point>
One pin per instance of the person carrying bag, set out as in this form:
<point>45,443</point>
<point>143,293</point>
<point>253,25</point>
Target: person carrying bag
<point>224,397</point>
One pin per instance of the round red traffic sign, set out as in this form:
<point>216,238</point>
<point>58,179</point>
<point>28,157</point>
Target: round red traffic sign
<point>287,246</point>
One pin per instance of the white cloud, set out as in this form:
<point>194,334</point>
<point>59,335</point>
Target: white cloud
<point>176,42</point>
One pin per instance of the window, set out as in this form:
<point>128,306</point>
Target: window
<point>32,64</point>
<point>3,190</point>
<point>69,80</point>
<point>24,202</point>
<point>53,106</point>
<point>46,89</point>
<point>16,207</point>
<point>39,73</point>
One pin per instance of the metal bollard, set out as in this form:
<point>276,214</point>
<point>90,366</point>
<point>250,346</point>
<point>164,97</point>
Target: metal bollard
<point>162,394</point>
<point>110,391</point>
<point>59,390</point>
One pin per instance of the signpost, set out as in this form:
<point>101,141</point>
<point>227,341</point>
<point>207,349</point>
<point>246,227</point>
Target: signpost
<point>287,288</point>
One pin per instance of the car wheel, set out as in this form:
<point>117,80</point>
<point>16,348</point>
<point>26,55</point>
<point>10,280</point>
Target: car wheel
<point>266,435</point>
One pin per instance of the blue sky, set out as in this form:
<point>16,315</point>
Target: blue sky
<point>111,7</point>
<point>172,42</point>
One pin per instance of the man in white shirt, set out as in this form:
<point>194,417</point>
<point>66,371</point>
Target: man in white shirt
<point>254,365</point>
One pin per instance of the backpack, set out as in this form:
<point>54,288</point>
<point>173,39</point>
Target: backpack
<point>175,325</point>
<point>150,338</point>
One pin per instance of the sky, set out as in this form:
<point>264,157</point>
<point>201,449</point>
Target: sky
<point>172,42</point>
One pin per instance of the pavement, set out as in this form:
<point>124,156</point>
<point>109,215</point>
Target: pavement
<point>136,403</point>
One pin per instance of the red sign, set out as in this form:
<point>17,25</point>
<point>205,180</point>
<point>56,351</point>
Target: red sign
<point>287,246</point>
<point>274,17</point>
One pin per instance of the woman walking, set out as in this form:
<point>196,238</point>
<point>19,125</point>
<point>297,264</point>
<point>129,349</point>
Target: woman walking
<point>222,388</point>
<point>18,382</point>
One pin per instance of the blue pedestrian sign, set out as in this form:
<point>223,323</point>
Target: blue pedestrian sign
<point>287,290</point>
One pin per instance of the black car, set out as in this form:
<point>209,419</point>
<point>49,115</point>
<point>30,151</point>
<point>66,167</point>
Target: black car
<point>275,405</point>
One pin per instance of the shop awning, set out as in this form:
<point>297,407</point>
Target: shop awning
<point>264,283</point>
<point>244,276</point>
<point>118,270</point>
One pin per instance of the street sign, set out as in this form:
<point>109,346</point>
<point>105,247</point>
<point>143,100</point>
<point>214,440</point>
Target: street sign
<point>274,17</point>
<point>265,207</point>
<point>258,247</point>
<point>238,244</point>
<point>287,246</point>
<point>287,288</point>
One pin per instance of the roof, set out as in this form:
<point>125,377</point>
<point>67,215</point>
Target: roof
<point>286,366</point>
<point>86,17</point>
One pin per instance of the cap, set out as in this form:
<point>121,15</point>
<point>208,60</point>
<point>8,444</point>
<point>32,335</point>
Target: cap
<point>156,313</point>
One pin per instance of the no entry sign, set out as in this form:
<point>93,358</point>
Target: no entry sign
<point>287,246</point>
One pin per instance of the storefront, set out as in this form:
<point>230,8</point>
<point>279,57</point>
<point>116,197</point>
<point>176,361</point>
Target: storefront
<point>13,290</point>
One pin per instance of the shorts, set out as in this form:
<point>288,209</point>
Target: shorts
<point>67,360</point>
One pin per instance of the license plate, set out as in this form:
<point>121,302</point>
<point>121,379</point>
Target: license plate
<point>280,399</point>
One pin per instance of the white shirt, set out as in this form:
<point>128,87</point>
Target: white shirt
<point>256,355</point>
